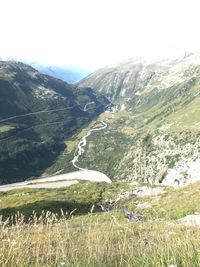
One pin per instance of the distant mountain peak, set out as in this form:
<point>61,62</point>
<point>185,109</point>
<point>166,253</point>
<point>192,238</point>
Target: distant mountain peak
<point>70,74</point>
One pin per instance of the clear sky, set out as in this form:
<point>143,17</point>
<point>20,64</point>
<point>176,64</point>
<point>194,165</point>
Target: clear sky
<point>94,33</point>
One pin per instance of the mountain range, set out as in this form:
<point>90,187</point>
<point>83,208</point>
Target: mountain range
<point>70,74</point>
<point>67,73</point>
<point>153,124</point>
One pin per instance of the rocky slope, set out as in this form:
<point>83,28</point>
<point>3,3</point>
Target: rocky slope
<point>37,112</point>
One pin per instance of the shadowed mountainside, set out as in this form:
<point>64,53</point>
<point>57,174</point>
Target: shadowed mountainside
<point>36,113</point>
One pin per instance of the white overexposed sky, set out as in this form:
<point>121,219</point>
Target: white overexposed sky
<point>94,33</point>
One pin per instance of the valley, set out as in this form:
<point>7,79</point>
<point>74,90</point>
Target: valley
<point>157,120</point>
<point>108,169</point>
<point>151,134</point>
<point>100,133</point>
<point>148,116</point>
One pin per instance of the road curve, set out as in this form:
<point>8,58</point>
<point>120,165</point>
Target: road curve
<point>61,180</point>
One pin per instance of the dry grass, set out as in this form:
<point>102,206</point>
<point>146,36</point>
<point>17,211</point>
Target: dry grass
<point>101,239</point>
<point>96,240</point>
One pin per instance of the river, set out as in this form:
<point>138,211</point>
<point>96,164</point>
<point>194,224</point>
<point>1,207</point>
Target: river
<point>80,150</point>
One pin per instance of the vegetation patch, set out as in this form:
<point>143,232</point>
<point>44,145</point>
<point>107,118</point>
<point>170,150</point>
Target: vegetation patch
<point>174,204</point>
<point>5,128</point>
<point>78,198</point>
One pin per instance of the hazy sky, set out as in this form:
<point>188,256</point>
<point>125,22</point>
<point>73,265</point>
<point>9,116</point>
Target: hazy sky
<point>94,33</point>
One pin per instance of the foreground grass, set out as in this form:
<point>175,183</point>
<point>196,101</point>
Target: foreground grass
<point>85,239</point>
<point>97,240</point>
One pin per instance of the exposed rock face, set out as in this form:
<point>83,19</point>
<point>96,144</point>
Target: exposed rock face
<point>148,191</point>
<point>185,172</point>
<point>132,216</point>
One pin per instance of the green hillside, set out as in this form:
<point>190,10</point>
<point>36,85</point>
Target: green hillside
<point>156,125</point>
<point>37,113</point>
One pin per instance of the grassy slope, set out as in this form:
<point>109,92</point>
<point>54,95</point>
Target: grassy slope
<point>102,239</point>
<point>80,197</point>
<point>99,241</point>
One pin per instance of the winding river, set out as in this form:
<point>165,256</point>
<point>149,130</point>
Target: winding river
<point>80,150</point>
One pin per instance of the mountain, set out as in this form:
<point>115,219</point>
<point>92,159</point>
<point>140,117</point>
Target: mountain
<point>154,134</point>
<point>68,74</point>
<point>137,76</point>
<point>37,114</point>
